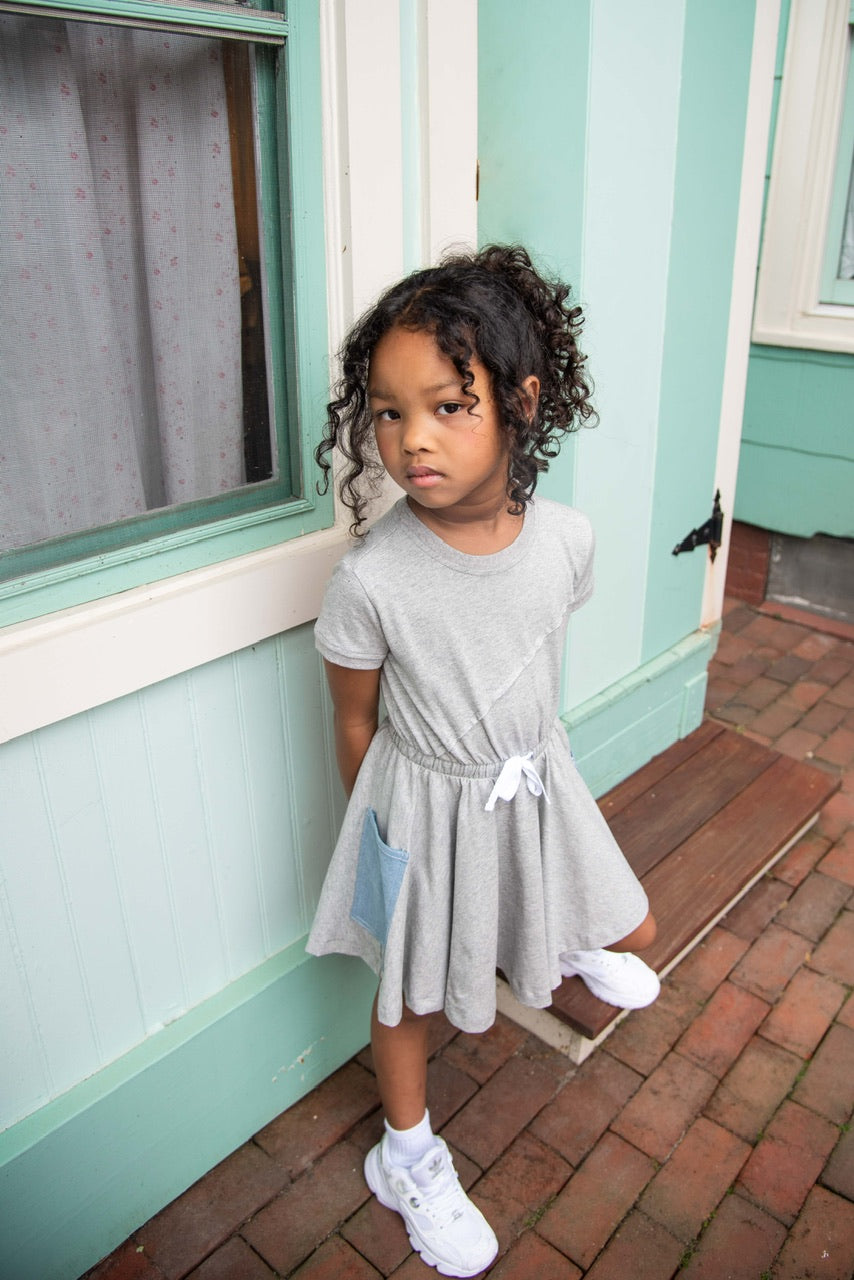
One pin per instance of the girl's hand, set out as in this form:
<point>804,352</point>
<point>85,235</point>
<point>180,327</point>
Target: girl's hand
<point>356,700</point>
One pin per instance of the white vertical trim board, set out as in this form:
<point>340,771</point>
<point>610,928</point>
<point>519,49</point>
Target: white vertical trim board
<point>336,184</point>
<point>372,95</point>
<point>449,126</point>
<point>757,125</point>
<point>412,72</point>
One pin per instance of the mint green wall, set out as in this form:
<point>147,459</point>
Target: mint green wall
<point>796,467</point>
<point>532,124</point>
<point>712,114</point>
<point>611,141</point>
<point>533,73</point>
<point>632,145</point>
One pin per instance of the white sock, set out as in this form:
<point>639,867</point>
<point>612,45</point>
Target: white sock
<point>405,1147</point>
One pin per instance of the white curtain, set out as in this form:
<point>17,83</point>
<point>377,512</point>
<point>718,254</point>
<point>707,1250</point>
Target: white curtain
<point>120,376</point>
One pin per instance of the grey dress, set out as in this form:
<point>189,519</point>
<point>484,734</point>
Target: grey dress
<point>470,842</point>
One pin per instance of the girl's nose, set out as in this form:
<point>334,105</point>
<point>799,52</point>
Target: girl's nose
<point>416,434</point>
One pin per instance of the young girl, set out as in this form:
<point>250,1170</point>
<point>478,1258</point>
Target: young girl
<point>470,843</point>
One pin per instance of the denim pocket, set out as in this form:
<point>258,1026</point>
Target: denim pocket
<point>379,875</point>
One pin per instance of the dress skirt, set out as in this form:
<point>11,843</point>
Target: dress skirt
<point>436,891</point>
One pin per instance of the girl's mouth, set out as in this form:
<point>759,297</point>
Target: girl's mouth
<point>423,477</point>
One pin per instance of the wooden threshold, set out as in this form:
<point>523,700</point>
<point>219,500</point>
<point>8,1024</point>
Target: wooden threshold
<point>699,824</point>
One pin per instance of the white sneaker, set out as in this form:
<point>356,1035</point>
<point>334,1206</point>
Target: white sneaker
<point>617,977</point>
<point>449,1232</point>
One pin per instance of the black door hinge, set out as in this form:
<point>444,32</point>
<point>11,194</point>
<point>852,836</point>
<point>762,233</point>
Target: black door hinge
<point>708,533</point>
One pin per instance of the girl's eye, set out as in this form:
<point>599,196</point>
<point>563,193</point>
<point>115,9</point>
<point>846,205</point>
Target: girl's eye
<point>386,415</point>
<point>449,407</point>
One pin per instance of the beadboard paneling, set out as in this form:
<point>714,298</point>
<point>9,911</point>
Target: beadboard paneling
<point>154,850</point>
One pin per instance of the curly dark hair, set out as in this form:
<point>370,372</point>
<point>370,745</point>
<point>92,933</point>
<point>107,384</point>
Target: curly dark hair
<point>493,305</point>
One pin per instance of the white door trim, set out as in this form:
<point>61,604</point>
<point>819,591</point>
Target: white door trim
<point>757,127</point>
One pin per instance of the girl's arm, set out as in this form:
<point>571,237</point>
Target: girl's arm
<point>356,700</point>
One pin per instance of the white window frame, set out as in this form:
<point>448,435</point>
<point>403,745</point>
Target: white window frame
<point>788,310</point>
<point>90,565</point>
<point>79,658</point>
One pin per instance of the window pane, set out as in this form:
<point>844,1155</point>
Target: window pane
<point>132,351</point>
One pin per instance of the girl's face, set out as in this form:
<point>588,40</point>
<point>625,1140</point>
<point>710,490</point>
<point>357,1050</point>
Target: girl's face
<point>448,461</point>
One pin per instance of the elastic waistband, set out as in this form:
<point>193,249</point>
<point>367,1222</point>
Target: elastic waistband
<point>456,768</point>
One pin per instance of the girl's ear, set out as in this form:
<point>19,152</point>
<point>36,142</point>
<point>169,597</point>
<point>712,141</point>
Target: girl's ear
<point>529,395</point>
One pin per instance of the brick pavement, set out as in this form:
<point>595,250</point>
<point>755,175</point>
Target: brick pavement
<point>709,1136</point>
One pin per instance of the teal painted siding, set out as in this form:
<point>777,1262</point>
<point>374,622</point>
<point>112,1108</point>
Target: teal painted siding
<point>782,28</point>
<point>796,469</point>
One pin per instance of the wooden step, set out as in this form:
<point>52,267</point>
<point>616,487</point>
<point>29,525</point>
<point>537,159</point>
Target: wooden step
<point>700,824</point>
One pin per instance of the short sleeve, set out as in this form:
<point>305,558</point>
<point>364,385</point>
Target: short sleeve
<point>348,631</point>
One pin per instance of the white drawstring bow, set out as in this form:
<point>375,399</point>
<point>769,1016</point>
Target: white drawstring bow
<point>508,781</point>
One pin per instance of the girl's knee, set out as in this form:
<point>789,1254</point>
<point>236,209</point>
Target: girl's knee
<point>640,938</point>
<point>646,932</point>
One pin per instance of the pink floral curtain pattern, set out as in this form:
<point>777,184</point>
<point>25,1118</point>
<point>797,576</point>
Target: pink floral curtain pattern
<point>120,377</point>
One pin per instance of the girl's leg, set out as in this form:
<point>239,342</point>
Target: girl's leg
<point>641,937</point>
<point>400,1063</point>
<point>410,1170</point>
<point>615,974</point>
